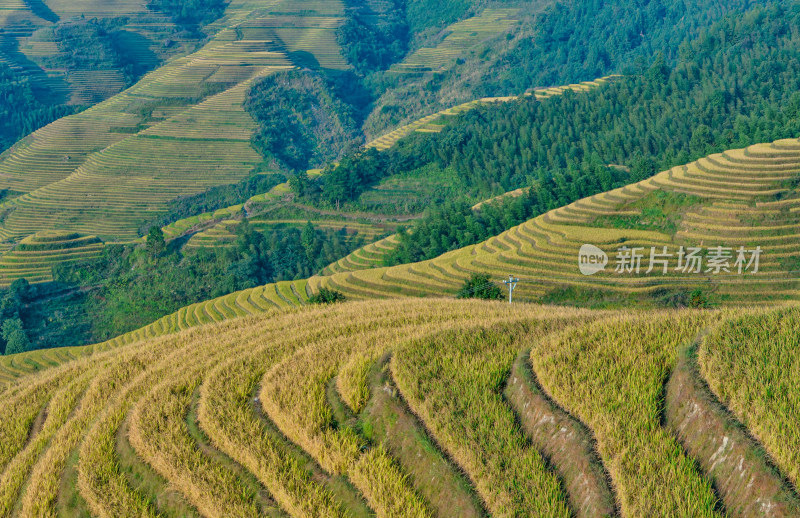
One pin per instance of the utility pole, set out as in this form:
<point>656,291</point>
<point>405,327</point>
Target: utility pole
<point>511,283</point>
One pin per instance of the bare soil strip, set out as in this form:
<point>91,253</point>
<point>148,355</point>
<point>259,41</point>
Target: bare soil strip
<point>747,482</point>
<point>38,423</point>
<point>563,440</point>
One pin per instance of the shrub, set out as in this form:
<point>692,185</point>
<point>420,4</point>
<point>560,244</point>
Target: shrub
<point>479,286</point>
<point>698,299</point>
<point>327,296</point>
<point>15,336</point>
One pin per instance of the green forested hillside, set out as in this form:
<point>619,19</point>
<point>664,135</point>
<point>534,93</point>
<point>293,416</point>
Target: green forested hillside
<point>20,110</point>
<point>302,121</point>
<point>714,99</point>
<point>377,93</point>
<point>550,43</point>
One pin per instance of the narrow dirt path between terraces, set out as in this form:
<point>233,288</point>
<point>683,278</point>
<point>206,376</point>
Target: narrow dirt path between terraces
<point>37,424</point>
<point>260,494</point>
<point>387,420</point>
<point>743,476</point>
<point>369,216</point>
<point>564,441</point>
<point>147,481</point>
<point>344,492</point>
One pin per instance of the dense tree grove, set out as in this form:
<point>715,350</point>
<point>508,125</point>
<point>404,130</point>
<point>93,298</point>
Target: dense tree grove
<point>136,285</point>
<point>190,13</point>
<point>574,41</point>
<point>302,122</point>
<point>93,44</point>
<point>20,110</point>
<point>455,224</point>
<point>327,296</point>
<point>84,45</point>
<point>424,14</point>
<point>130,286</point>
<point>346,180</point>
<point>373,42</point>
<point>13,338</point>
<point>480,286</point>
<point>554,43</point>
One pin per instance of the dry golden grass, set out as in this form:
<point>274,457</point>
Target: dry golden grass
<point>542,252</point>
<point>752,363</point>
<point>611,375</point>
<point>62,403</point>
<point>454,381</point>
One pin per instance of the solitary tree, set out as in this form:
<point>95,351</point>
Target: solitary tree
<point>327,296</point>
<point>155,242</point>
<point>15,336</point>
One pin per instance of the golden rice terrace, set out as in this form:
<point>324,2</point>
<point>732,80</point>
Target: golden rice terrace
<point>414,408</point>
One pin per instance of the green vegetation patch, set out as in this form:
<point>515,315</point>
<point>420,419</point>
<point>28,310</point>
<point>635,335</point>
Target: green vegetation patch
<point>660,211</point>
<point>412,192</point>
<point>20,110</point>
<point>302,123</point>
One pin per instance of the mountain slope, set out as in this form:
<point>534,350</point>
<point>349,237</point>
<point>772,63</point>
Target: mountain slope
<point>255,206</point>
<point>739,198</point>
<point>112,167</point>
<point>701,205</point>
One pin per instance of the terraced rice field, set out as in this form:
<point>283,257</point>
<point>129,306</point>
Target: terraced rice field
<point>186,225</point>
<point>401,408</point>
<point>100,9</point>
<point>740,198</point>
<point>366,231</point>
<point>106,178</point>
<point>221,235</point>
<point>369,256</point>
<point>34,257</point>
<point>306,31</point>
<point>116,165</point>
<point>104,171</point>
<point>11,9</point>
<point>92,86</point>
<point>435,122</point>
<point>39,57</point>
<point>460,38</point>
